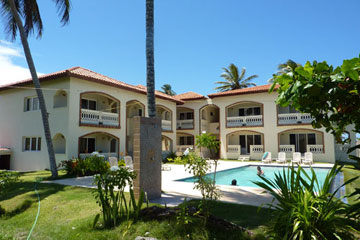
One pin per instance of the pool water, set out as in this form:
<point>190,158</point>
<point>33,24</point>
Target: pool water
<point>246,175</point>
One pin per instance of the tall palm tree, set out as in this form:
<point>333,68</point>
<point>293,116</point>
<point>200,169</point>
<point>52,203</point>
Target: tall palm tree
<point>12,11</point>
<point>150,72</point>
<point>166,88</point>
<point>285,68</point>
<point>234,80</point>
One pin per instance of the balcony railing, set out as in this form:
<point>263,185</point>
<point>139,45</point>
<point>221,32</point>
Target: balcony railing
<point>256,149</point>
<point>166,125</point>
<point>294,118</point>
<point>240,121</point>
<point>185,124</point>
<point>236,149</point>
<point>99,118</point>
<point>315,148</point>
<point>105,155</point>
<point>287,148</point>
<point>182,148</point>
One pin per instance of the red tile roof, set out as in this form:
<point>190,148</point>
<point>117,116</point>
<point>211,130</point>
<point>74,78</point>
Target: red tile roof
<point>256,89</point>
<point>86,74</point>
<point>189,96</point>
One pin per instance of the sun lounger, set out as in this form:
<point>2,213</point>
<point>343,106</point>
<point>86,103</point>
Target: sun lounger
<point>266,158</point>
<point>308,158</point>
<point>296,158</point>
<point>281,157</point>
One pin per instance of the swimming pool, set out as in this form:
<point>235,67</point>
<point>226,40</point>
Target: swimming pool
<point>247,174</point>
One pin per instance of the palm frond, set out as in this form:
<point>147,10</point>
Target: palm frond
<point>63,7</point>
<point>10,24</point>
<point>31,13</point>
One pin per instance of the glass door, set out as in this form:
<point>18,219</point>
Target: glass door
<point>242,140</point>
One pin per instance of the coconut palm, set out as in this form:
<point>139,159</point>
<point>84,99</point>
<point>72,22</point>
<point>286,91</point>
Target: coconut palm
<point>285,68</point>
<point>166,88</point>
<point>13,11</point>
<point>234,80</point>
<point>150,72</point>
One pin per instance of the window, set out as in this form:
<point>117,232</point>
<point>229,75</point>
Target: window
<point>140,112</point>
<point>113,145</point>
<point>32,144</point>
<point>188,140</point>
<point>31,104</point>
<point>186,115</point>
<point>249,111</point>
<point>88,104</point>
<point>311,138</point>
<point>87,145</point>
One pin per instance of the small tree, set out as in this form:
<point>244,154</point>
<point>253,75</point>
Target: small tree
<point>209,141</point>
<point>330,95</point>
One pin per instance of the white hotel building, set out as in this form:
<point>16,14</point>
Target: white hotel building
<point>91,112</point>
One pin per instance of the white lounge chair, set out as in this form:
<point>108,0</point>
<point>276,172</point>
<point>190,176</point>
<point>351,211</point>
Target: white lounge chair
<point>113,161</point>
<point>296,158</point>
<point>308,158</point>
<point>266,158</point>
<point>281,157</point>
<point>129,162</point>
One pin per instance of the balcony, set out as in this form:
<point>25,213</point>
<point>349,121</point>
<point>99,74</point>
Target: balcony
<point>99,118</point>
<point>294,118</point>
<point>234,151</point>
<point>242,121</point>
<point>185,124</point>
<point>315,149</point>
<point>166,125</point>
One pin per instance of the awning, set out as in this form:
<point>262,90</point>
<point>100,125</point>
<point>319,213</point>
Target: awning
<point>5,151</point>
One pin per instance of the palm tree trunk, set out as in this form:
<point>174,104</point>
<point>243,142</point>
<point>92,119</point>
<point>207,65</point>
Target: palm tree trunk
<point>150,72</point>
<point>44,113</point>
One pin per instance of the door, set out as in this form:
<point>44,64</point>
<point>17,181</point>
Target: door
<point>299,140</point>
<point>242,140</point>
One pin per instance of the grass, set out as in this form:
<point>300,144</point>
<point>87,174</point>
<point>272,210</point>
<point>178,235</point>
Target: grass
<point>351,172</point>
<point>68,212</point>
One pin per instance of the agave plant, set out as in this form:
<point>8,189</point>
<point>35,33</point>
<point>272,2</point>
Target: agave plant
<point>306,209</point>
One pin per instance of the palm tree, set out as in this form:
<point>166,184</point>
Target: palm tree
<point>166,88</point>
<point>234,80</point>
<point>150,72</point>
<point>29,10</point>
<point>285,68</point>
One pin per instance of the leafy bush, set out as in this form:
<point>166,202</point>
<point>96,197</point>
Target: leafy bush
<point>111,198</point>
<point>169,157</point>
<point>84,167</point>
<point>306,209</point>
<point>7,178</point>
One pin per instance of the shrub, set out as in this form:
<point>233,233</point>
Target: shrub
<point>84,167</point>
<point>7,178</point>
<point>306,209</point>
<point>169,156</point>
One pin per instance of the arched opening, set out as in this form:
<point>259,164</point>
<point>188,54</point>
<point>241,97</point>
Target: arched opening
<point>165,114</point>
<point>289,116</point>
<point>99,109</point>
<point>60,99</point>
<point>133,108</point>
<point>104,143</point>
<point>184,118</point>
<point>301,140</point>
<point>242,143</point>
<point>59,143</point>
<point>244,114</point>
<point>166,144</point>
<point>184,141</point>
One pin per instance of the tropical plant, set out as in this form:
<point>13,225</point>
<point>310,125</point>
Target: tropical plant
<point>285,68</point>
<point>305,208</point>
<point>13,11</point>
<point>150,71</point>
<point>234,80</point>
<point>209,141</point>
<point>166,88</point>
<point>85,167</point>
<point>330,95</point>
<point>7,178</point>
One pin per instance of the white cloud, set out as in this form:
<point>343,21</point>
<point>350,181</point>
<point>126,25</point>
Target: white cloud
<point>10,71</point>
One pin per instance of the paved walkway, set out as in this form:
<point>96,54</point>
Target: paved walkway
<point>174,191</point>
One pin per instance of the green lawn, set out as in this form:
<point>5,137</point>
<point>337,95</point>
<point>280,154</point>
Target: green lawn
<point>351,172</point>
<point>68,213</point>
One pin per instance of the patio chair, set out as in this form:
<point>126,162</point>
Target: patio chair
<point>113,161</point>
<point>266,158</point>
<point>296,158</point>
<point>308,158</point>
<point>129,162</point>
<point>281,157</point>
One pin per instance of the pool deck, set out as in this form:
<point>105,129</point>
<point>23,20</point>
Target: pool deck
<point>174,191</point>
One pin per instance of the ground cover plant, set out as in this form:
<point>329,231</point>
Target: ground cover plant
<point>85,166</point>
<point>74,209</point>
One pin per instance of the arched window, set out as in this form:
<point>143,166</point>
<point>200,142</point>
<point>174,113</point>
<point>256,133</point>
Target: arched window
<point>59,143</point>
<point>60,99</point>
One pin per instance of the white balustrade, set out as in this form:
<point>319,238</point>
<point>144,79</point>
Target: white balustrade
<point>239,121</point>
<point>99,118</point>
<point>106,155</point>
<point>185,124</point>
<point>256,149</point>
<point>182,148</point>
<point>294,118</point>
<point>287,148</point>
<point>315,148</point>
<point>166,125</point>
<point>234,149</point>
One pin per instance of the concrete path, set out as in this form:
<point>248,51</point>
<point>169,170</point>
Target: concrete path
<point>174,191</point>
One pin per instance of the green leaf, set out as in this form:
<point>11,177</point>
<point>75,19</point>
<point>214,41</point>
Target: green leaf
<point>303,72</point>
<point>354,75</point>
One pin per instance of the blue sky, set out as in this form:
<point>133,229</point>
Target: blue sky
<point>193,39</point>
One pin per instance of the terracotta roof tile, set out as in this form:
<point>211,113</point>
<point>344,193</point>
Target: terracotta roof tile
<point>189,96</point>
<point>256,89</point>
<point>89,75</point>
